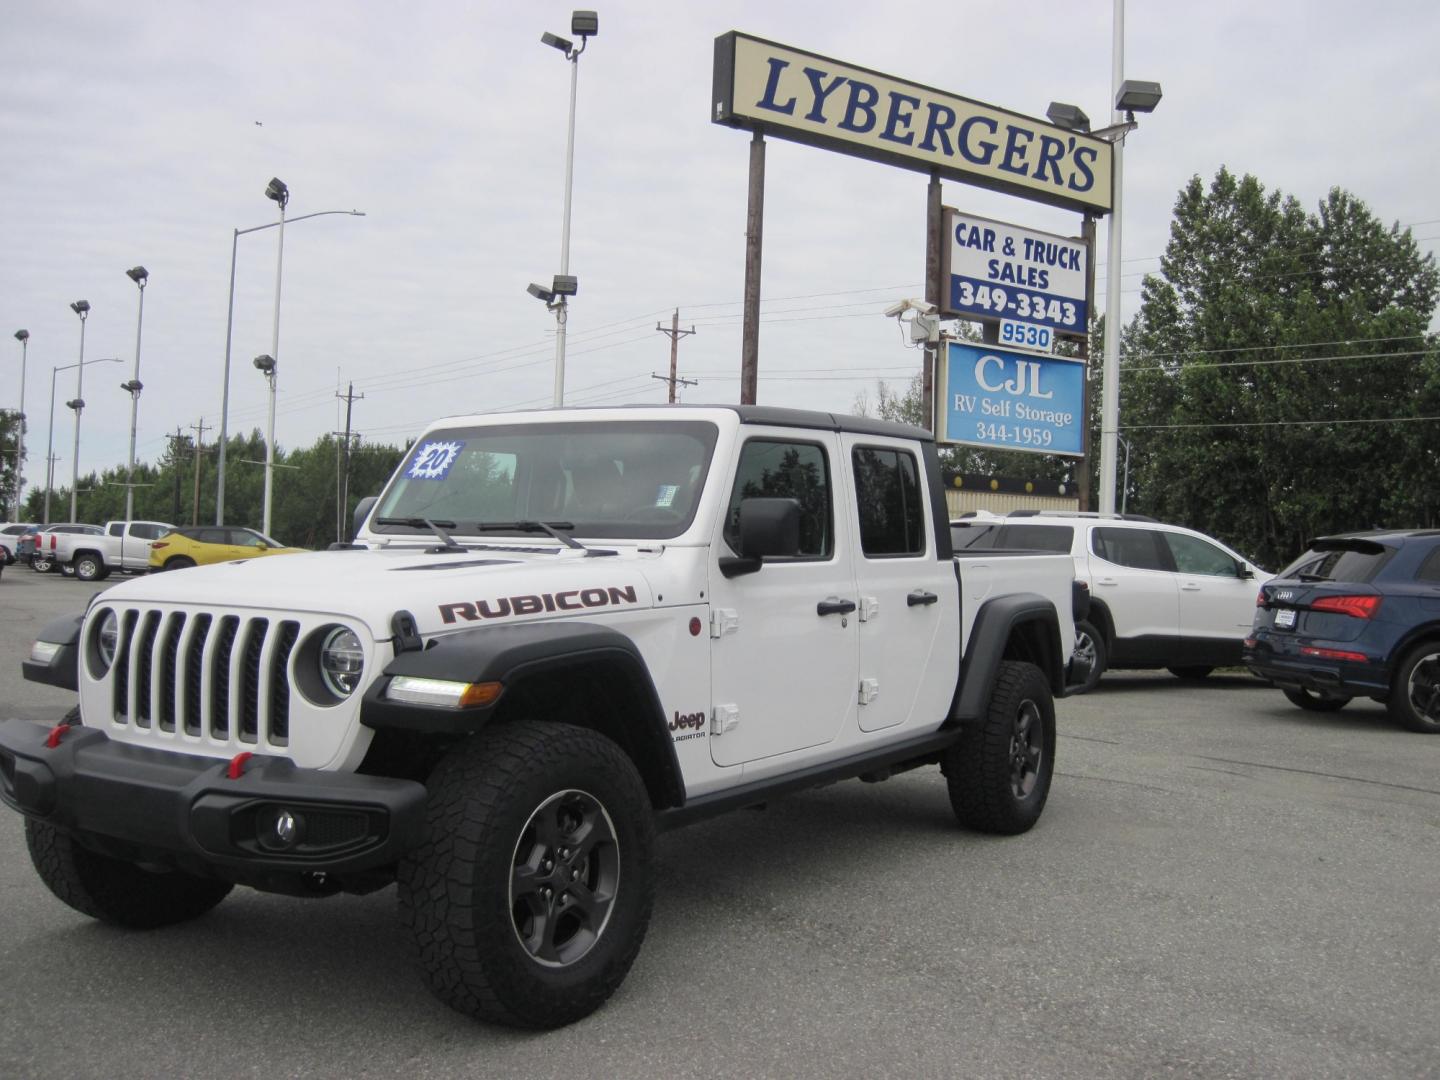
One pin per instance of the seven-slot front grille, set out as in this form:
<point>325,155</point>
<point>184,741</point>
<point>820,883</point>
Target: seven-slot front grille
<point>224,677</point>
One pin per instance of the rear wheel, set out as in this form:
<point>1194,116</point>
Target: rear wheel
<point>1091,654</point>
<point>1415,692</point>
<point>179,562</point>
<point>90,568</point>
<point>998,773</point>
<point>42,563</point>
<point>1311,701</point>
<point>115,891</point>
<point>531,892</point>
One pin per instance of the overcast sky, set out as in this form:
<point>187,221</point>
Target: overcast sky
<point>146,132</point>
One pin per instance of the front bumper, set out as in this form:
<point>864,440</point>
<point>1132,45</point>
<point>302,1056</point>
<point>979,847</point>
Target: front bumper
<point>155,805</point>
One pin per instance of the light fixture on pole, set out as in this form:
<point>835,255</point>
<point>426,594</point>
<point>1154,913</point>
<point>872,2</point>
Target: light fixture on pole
<point>50,437</point>
<point>1131,96</point>
<point>229,326</point>
<point>140,276</point>
<point>584,25</point>
<point>277,191</point>
<point>81,308</point>
<point>22,336</point>
<point>266,365</point>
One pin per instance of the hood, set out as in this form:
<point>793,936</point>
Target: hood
<point>443,591</point>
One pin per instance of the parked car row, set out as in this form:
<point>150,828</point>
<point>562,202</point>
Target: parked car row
<point>94,552</point>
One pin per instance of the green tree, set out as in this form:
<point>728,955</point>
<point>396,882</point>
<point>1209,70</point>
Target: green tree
<point>1269,376</point>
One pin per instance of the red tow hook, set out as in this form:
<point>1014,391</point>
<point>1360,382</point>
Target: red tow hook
<point>237,765</point>
<point>56,734</point>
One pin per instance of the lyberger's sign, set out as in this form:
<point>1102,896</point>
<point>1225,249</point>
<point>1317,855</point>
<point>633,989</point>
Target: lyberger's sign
<point>811,99</point>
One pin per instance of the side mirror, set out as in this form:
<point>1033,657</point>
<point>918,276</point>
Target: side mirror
<point>768,528</point>
<point>1243,571</point>
<point>362,511</point>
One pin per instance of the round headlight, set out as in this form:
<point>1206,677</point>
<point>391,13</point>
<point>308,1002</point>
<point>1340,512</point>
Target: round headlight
<point>107,637</point>
<point>341,661</point>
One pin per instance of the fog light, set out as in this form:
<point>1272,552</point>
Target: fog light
<point>279,829</point>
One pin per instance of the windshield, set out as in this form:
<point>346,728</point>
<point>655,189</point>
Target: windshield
<point>610,480</point>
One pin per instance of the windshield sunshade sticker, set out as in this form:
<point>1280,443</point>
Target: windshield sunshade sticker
<point>434,460</point>
<point>505,606</point>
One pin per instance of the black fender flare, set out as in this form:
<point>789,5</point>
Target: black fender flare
<point>62,669</point>
<point>549,649</point>
<point>1034,618</point>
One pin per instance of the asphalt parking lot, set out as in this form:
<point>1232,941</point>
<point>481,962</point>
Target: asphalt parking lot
<point>1222,885</point>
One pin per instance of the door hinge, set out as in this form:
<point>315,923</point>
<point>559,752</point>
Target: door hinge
<point>723,621</point>
<point>869,690</point>
<point>723,718</point>
<point>869,607</point>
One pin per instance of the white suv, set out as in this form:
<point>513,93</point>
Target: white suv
<point>1160,595</point>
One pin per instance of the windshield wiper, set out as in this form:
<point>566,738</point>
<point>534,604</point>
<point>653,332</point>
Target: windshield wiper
<point>551,527</point>
<point>437,527</point>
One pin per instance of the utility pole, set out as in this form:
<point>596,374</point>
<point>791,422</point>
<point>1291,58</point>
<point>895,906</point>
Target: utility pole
<point>199,430</point>
<point>342,472</point>
<point>177,442</point>
<point>674,333</point>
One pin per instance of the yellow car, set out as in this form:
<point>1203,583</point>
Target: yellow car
<point>200,545</point>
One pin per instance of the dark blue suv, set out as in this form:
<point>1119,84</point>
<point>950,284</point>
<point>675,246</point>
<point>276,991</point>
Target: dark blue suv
<point>1358,615</point>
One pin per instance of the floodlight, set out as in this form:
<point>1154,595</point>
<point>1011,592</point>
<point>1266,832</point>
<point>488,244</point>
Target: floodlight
<point>81,307</point>
<point>1069,117</point>
<point>264,362</point>
<point>540,292</point>
<point>584,24</point>
<point>22,335</point>
<point>138,274</point>
<point>565,285</point>
<point>277,191</point>
<point>1137,96</point>
<point>556,42</point>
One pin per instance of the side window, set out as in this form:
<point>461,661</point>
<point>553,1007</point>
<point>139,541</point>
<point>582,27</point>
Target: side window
<point>214,536</point>
<point>115,529</point>
<point>772,469</point>
<point>146,531</point>
<point>1430,568</point>
<point>887,496</point>
<point>1138,548</point>
<point>1194,556</point>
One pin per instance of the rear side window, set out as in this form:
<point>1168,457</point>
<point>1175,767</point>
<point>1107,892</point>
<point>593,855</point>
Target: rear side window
<point>973,534</point>
<point>1360,563</point>
<point>147,531</point>
<point>887,496</point>
<point>1057,538</point>
<point>1194,556</point>
<point>1128,547</point>
<point>1430,568</point>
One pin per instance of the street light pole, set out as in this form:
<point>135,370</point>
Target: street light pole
<point>50,437</point>
<point>229,326</point>
<point>276,190</point>
<point>583,24</point>
<point>1110,366</point>
<point>81,308</point>
<point>140,276</point>
<point>22,336</point>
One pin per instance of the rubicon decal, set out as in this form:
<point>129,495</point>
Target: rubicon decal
<point>502,607</point>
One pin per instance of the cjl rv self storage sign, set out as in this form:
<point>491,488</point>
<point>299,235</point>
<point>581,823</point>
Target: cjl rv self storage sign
<point>996,271</point>
<point>1011,400</point>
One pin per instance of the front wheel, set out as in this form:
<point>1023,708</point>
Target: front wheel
<point>90,568</point>
<point>531,891</point>
<point>1415,693</point>
<point>998,773</point>
<point>1311,701</point>
<point>115,891</point>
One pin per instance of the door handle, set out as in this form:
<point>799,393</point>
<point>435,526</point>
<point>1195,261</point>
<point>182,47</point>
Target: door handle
<point>1106,581</point>
<point>833,605</point>
<point>1190,586</point>
<point>917,598</point>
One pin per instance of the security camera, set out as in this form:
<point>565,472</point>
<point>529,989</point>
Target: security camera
<point>922,307</point>
<point>894,311</point>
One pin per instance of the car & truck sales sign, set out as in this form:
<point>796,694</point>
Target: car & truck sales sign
<point>994,271</point>
<point>803,97</point>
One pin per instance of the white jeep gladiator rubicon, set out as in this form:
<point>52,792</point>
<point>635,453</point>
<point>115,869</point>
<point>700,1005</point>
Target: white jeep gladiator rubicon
<point>556,633</point>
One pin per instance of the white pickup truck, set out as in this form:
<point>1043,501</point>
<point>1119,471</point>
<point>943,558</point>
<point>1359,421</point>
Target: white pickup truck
<point>122,545</point>
<point>556,634</point>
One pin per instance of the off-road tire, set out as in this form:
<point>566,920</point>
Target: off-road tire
<point>1191,672</point>
<point>114,891</point>
<point>1311,701</point>
<point>1090,644</point>
<point>999,772</point>
<point>477,882</point>
<point>179,562</point>
<point>90,568</point>
<point>1415,691</point>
